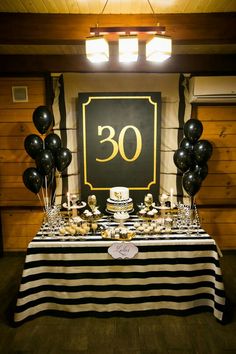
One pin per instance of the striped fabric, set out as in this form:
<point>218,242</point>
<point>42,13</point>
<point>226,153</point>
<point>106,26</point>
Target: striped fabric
<point>75,276</point>
<point>176,109</point>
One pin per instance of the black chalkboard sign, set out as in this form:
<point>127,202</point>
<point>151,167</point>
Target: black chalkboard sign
<point>119,143</point>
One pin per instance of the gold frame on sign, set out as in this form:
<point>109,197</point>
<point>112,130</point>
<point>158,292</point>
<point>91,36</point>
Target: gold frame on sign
<point>86,182</point>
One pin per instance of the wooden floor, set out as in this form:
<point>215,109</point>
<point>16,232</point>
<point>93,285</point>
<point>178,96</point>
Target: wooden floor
<point>199,334</point>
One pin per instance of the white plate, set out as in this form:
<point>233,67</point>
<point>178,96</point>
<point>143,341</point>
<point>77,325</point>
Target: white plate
<point>82,205</point>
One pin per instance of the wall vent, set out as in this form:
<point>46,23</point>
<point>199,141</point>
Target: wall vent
<point>20,93</point>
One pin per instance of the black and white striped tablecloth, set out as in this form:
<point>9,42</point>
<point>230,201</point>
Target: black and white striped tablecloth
<point>74,276</point>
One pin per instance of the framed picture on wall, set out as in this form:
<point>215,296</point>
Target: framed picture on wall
<point>119,143</point>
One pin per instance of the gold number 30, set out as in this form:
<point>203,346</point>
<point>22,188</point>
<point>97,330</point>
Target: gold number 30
<point>119,147</point>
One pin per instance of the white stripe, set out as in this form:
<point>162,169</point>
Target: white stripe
<point>105,256</point>
<point>155,242</point>
<point>124,269</point>
<point>120,294</point>
<point>121,281</point>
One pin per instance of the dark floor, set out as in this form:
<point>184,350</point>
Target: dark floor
<point>199,334</point>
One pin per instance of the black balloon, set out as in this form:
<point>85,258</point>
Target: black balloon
<point>183,159</point>
<point>33,144</point>
<point>186,144</point>
<point>201,170</point>
<point>45,162</point>
<point>32,179</point>
<point>42,118</point>
<point>202,151</point>
<point>52,142</point>
<point>63,158</point>
<point>193,130</point>
<point>191,183</point>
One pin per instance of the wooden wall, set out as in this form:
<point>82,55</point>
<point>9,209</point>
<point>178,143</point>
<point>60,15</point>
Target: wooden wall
<point>20,216</point>
<point>219,188</point>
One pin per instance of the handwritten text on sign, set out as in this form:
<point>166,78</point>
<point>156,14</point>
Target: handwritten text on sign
<point>122,250</point>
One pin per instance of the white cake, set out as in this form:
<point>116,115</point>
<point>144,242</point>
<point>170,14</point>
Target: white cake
<point>119,200</point>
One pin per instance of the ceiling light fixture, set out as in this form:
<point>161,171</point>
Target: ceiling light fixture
<point>97,49</point>
<point>128,49</point>
<point>158,48</point>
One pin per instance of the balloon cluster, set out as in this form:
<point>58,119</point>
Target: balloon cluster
<point>48,153</point>
<point>192,156</point>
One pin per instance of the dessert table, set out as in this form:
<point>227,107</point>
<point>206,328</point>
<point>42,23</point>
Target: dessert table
<point>73,276</point>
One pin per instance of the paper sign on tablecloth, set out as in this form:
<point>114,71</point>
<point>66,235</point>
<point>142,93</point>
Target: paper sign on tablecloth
<point>122,250</point>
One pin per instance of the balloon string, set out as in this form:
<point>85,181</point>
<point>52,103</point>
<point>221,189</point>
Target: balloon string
<point>41,202</point>
<point>44,201</point>
<point>46,187</point>
<point>54,194</point>
<point>45,197</point>
<point>191,202</point>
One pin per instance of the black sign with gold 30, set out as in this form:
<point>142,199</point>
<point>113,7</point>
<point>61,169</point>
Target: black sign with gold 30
<point>119,143</point>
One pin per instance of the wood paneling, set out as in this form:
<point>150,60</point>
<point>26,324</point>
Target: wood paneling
<point>219,179</point>
<point>18,226</point>
<point>14,168</point>
<point>17,129</point>
<point>228,167</point>
<point>216,113</point>
<point>220,127</point>
<point>224,140</point>
<point>220,224</point>
<point>219,187</point>
<point>72,29</point>
<point>14,155</point>
<point>12,142</point>
<point>36,64</point>
<point>118,7</point>
<point>227,154</point>
<point>21,114</point>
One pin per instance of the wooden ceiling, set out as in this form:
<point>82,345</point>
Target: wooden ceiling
<point>49,35</point>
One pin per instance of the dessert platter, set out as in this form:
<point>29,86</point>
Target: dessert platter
<point>71,205</point>
<point>81,228</point>
<point>118,234</point>
<point>91,216</point>
<point>92,213</point>
<point>148,210</point>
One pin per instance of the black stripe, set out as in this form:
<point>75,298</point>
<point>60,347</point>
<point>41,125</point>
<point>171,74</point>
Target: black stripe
<point>116,300</point>
<point>120,262</point>
<point>62,125</point>
<point>142,249</point>
<point>117,287</point>
<point>123,314</point>
<point>123,275</point>
<point>181,113</point>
